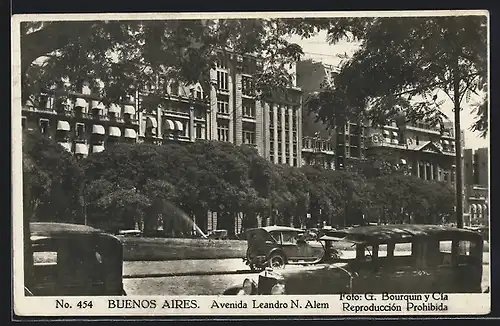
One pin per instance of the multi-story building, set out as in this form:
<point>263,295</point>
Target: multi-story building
<point>318,142</point>
<point>231,112</point>
<point>429,153</point>
<point>476,178</point>
<point>80,122</point>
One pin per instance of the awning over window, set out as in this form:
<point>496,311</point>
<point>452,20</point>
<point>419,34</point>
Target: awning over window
<point>179,126</point>
<point>473,208</point>
<point>81,149</point>
<point>97,148</point>
<point>81,103</point>
<point>115,132</point>
<point>97,105</point>
<point>98,129</point>
<point>151,122</point>
<point>485,208</point>
<point>479,209</point>
<point>445,142</point>
<point>63,125</point>
<point>66,146</point>
<point>168,125</point>
<point>386,132</point>
<point>128,109</point>
<point>130,133</point>
<point>114,108</point>
<point>395,134</point>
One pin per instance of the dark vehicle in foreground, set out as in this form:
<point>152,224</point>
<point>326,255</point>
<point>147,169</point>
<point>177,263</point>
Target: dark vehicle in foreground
<point>277,246</point>
<point>74,260</point>
<point>385,258</point>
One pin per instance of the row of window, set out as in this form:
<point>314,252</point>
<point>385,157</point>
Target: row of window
<point>248,66</point>
<point>322,145</point>
<point>280,158</point>
<point>279,147</point>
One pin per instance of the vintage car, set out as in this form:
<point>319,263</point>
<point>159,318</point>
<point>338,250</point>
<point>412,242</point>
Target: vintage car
<point>73,260</point>
<point>276,246</point>
<point>385,258</point>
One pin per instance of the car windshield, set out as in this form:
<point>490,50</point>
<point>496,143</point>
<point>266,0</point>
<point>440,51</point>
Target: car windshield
<point>344,250</point>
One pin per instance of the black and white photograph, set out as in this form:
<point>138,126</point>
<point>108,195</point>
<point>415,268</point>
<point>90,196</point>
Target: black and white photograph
<point>338,161</point>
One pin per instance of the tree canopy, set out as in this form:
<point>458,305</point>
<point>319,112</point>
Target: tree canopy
<point>124,55</point>
<point>411,64</point>
<point>148,186</point>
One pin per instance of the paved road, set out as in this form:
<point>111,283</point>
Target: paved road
<point>136,284</point>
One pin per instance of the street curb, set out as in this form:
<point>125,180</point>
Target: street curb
<point>207,273</point>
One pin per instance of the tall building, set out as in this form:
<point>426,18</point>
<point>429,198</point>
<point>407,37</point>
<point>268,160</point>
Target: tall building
<point>230,113</point>
<point>318,142</point>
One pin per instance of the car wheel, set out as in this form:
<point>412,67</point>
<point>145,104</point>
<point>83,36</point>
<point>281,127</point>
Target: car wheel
<point>277,261</point>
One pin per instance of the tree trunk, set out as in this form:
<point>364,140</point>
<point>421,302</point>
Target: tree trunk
<point>458,145</point>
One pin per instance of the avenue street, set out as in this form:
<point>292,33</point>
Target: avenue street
<point>200,277</point>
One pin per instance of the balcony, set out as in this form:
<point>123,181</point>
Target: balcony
<point>37,110</point>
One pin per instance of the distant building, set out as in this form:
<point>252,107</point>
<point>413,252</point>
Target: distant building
<point>318,142</point>
<point>476,179</point>
<point>428,152</point>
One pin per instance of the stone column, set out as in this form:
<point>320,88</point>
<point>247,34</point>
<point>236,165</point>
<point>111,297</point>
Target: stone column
<point>192,135</point>
<point>418,169</point>
<point>159,115</point>
<point>265,132</point>
<point>212,109</point>
<point>425,170</point>
<point>259,124</point>
<point>275,120</point>
<point>283,138</point>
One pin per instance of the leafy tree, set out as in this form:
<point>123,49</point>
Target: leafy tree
<point>51,179</point>
<point>298,185</point>
<point>320,192</point>
<point>405,64</point>
<point>122,54</point>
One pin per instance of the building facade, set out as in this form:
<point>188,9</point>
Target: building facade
<point>476,176</point>
<point>429,153</point>
<point>230,112</point>
<point>318,142</point>
<point>80,122</point>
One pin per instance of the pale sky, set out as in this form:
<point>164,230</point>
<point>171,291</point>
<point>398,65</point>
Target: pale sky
<point>318,49</point>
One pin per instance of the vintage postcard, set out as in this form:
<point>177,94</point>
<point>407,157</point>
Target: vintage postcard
<point>246,164</point>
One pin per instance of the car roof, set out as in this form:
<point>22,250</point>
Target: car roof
<point>55,228</point>
<point>281,228</point>
<point>400,232</point>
